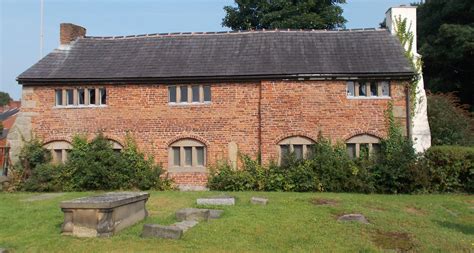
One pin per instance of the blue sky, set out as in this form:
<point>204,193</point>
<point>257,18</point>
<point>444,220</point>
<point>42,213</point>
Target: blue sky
<point>20,23</point>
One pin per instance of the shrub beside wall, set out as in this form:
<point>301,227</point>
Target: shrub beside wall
<point>91,165</point>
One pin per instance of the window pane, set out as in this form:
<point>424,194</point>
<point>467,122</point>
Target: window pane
<point>207,93</point>
<point>103,96</point>
<point>172,94</point>
<point>92,96</point>
<point>200,155</point>
<point>298,150</point>
<point>376,148</point>
<point>184,94</point>
<point>362,89</point>
<point>176,156</point>
<point>58,155</point>
<point>350,89</point>
<point>310,150</point>
<point>364,150</point>
<point>385,89</point>
<point>70,96</point>
<point>373,89</point>
<point>59,97</point>
<point>195,93</point>
<point>188,156</point>
<point>285,150</point>
<point>81,96</point>
<point>351,150</point>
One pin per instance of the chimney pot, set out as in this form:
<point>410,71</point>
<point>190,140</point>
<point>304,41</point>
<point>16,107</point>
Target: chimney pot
<point>70,32</point>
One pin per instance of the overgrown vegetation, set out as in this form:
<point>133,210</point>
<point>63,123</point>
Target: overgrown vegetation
<point>91,165</point>
<point>451,123</point>
<point>395,169</point>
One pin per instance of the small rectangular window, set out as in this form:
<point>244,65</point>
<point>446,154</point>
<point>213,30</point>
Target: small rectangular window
<point>285,150</point>
<point>200,155</point>
<point>59,97</point>
<point>350,89</point>
<point>91,96</point>
<point>351,150</point>
<point>373,89</point>
<point>58,155</point>
<point>207,93</point>
<point>385,89</point>
<point>103,96</point>
<point>81,96</point>
<point>376,149</point>
<point>298,150</point>
<point>364,150</point>
<point>184,94</point>
<point>196,89</point>
<point>362,89</point>
<point>172,94</point>
<point>70,96</point>
<point>188,156</point>
<point>176,156</point>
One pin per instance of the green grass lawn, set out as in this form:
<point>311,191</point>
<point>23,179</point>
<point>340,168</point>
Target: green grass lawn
<point>290,222</point>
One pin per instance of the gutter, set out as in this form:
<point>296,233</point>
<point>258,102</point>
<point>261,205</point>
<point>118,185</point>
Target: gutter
<point>199,79</point>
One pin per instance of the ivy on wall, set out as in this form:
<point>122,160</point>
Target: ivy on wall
<point>406,37</point>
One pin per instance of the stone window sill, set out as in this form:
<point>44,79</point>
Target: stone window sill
<point>189,104</point>
<point>368,98</point>
<point>78,106</point>
<point>187,169</point>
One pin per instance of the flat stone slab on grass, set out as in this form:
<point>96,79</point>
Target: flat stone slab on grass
<point>192,214</point>
<point>354,217</point>
<point>174,231</point>
<point>44,196</point>
<point>215,214</point>
<point>258,201</point>
<point>160,231</point>
<point>216,201</point>
<point>103,215</point>
<point>2,250</point>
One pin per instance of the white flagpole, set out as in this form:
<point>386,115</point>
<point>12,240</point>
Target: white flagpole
<point>41,28</point>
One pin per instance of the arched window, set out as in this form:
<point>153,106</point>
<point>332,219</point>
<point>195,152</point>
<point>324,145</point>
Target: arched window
<point>362,144</point>
<point>187,155</point>
<point>116,146</point>
<point>59,150</point>
<point>298,145</point>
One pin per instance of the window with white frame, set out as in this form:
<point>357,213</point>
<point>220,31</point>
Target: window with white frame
<point>363,145</point>
<point>298,145</point>
<point>187,155</point>
<point>189,94</point>
<point>59,150</point>
<point>368,89</point>
<point>80,97</point>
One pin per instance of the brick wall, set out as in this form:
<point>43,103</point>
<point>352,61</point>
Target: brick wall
<point>287,108</point>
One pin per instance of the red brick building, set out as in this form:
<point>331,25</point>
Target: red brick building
<point>193,99</point>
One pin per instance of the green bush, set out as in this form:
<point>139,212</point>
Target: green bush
<point>33,154</point>
<point>92,165</point>
<point>448,169</point>
<point>450,122</point>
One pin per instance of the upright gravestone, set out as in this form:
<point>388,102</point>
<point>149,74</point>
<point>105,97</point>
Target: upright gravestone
<point>103,215</point>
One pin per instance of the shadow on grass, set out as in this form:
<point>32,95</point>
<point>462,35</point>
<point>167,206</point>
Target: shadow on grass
<point>463,228</point>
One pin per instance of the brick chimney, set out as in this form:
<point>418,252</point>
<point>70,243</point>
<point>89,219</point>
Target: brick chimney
<point>70,32</point>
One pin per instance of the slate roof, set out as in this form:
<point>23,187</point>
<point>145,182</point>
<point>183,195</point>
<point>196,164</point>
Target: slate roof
<point>228,55</point>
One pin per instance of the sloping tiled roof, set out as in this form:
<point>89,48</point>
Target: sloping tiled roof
<point>225,55</point>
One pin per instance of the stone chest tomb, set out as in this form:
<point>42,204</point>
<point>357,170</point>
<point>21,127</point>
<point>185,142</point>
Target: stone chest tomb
<point>103,215</point>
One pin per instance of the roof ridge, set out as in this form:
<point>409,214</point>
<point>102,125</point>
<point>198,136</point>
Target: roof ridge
<point>173,34</point>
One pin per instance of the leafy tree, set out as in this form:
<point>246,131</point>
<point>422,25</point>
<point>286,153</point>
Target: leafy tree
<point>450,122</point>
<point>446,41</point>
<point>294,14</point>
<point>4,98</point>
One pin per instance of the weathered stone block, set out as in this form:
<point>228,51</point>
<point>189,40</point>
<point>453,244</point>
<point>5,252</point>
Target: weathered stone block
<point>226,201</point>
<point>103,215</point>
<point>215,214</point>
<point>2,250</point>
<point>258,201</point>
<point>354,217</point>
<point>192,214</point>
<point>185,225</point>
<point>159,231</point>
